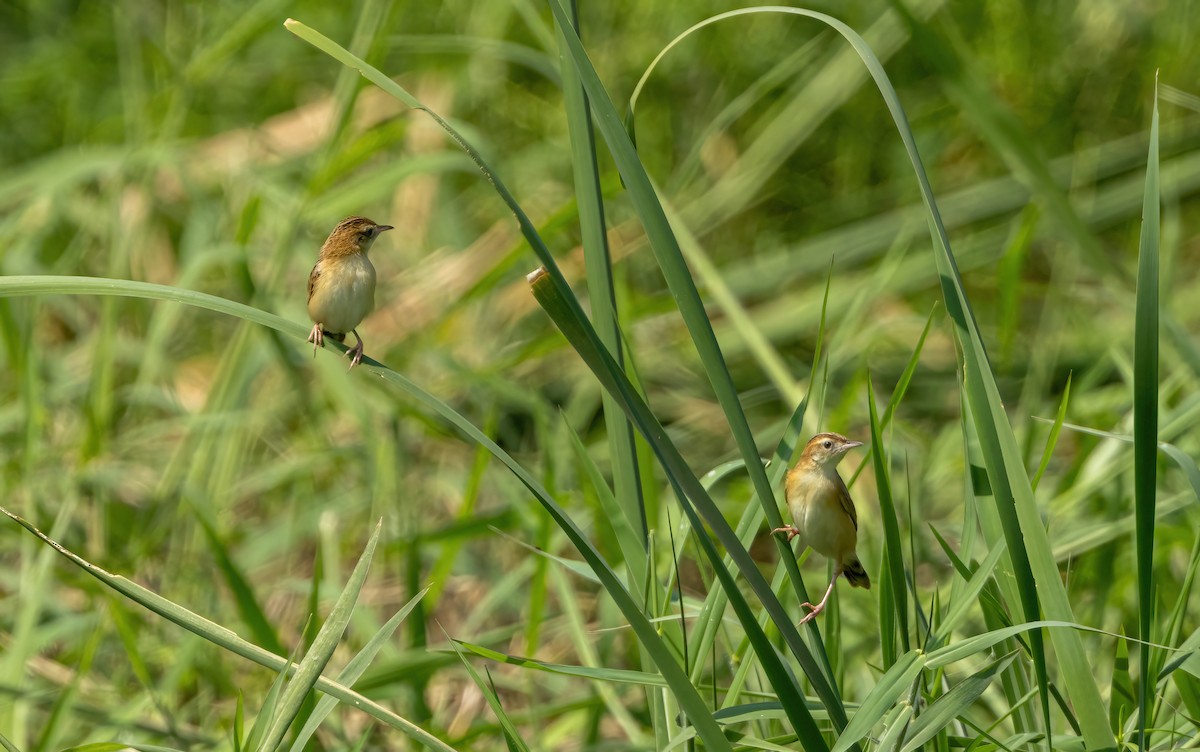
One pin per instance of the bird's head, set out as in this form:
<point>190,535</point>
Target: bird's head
<point>827,449</point>
<point>353,235</point>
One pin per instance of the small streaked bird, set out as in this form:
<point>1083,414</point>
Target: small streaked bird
<point>823,514</point>
<point>341,287</point>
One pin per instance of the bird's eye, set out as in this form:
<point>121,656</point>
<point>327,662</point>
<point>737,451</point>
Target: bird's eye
<point>364,235</point>
<point>828,444</point>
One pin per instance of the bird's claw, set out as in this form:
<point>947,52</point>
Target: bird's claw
<point>355,354</point>
<point>317,338</point>
<point>791,531</point>
<point>812,613</point>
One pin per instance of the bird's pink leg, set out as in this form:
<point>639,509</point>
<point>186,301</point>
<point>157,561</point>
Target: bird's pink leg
<point>814,610</point>
<point>356,352</point>
<point>791,531</point>
<point>317,338</point>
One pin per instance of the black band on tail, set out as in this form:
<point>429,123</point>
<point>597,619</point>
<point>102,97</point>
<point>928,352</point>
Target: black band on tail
<point>856,575</point>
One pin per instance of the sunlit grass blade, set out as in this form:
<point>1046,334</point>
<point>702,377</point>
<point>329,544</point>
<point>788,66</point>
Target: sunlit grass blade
<point>896,681</point>
<point>895,723</point>
<point>1052,439</point>
<point>226,639</point>
<point>1181,458</point>
<point>966,597</point>
<point>614,675</point>
<point>949,706</point>
<point>353,670</point>
<point>1145,421</point>
<point>511,737</point>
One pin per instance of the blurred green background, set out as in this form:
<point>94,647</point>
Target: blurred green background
<point>201,145</point>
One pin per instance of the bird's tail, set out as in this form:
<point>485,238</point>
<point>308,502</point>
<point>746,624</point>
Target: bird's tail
<point>339,336</point>
<point>855,574</point>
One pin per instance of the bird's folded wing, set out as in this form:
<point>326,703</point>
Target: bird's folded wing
<point>312,280</point>
<point>847,503</point>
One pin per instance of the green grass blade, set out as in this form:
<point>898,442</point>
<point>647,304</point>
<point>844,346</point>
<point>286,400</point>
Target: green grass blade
<point>689,489</point>
<point>683,289</point>
<point>1029,547</point>
<point>1180,457</point>
<point>949,706</point>
<point>269,709</point>
<point>896,681</point>
<point>1145,420</point>
<point>1002,128</point>
<point>891,523</point>
<point>226,639</point>
<point>967,597</point>
<point>314,662</point>
<point>631,541</point>
<point>667,252</point>
<point>613,675</point>
<point>354,669</point>
<point>602,296</point>
<point>513,739</point>
<point>1052,439</point>
<point>909,369</point>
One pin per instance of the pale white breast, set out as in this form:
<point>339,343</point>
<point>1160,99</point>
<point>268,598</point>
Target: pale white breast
<point>817,513</point>
<point>341,306</point>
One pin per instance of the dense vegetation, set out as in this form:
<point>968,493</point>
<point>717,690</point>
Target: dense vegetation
<point>776,262</point>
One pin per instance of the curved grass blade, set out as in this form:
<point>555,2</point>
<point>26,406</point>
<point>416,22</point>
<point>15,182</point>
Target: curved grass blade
<point>511,737</point>
<point>896,681</point>
<point>1052,439</point>
<point>225,638</point>
<point>614,675</point>
<point>354,669</point>
<point>683,289</point>
<point>950,705</point>
<point>1029,546</point>
<point>1181,458</point>
<point>314,662</point>
<point>689,489</point>
<point>667,252</point>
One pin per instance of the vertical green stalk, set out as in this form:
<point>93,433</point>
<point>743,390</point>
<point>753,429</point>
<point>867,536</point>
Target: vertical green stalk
<point>894,556</point>
<point>1145,417</point>
<point>598,263</point>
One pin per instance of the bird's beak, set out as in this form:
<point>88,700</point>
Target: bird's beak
<point>850,445</point>
<point>381,228</point>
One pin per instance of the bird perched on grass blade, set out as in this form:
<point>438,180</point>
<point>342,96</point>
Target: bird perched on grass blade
<point>341,287</point>
<point>823,513</point>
